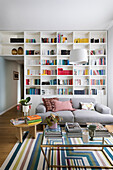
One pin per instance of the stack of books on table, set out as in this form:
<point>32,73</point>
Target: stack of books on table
<point>53,133</point>
<point>73,130</point>
<point>100,130</point>
<point>33,119</point>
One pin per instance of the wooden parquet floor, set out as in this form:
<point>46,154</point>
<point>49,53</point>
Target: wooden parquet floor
<point>7,133</point>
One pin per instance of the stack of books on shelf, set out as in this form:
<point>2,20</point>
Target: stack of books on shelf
<point>18,121</point>
<point>33,119</point>
<point>81,72</point>
<point>53,133</point>
<point>73,130</point>
<point>49,40</point>
<point>62,38</point>
<point>100,130</point>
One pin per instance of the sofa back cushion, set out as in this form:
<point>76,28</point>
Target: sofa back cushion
<point>62,105</point>
<point>76,102</point>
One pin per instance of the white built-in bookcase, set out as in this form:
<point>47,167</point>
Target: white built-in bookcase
<point>34,64</point>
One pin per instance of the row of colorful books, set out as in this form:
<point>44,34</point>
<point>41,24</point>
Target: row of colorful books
<point>62,38</point>
<point>81,40</point>
<point>99,61</point>
<point>98,82</point>
<point>49,62</point>
<point>97,72</point>
<point>49,72</point>
<point>49,40</point>
<point>53,82</point>
<point>81,92</point>
<point>64,62</point>
<point>65,91</point>
<point>65,82</point>
<point>32,91</point>
<point>32,81</point>
<point>64,72</point>
<point>81,72</point>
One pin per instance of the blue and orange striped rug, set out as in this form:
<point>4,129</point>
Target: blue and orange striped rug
<point>28,156</point>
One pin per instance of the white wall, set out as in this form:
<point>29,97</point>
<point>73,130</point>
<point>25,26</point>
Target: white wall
<point>9,88</point>
<point>110,68</point>
<point>55,14</point>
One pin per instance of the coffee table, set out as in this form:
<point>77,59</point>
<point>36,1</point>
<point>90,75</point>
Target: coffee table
<point>19,128</point>
<point>65,145</point>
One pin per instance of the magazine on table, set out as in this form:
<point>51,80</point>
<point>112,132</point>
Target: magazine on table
<point>18,121</point>
<point>73,127</point>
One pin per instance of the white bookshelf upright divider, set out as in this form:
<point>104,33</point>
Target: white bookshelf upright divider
<point>46,62</point>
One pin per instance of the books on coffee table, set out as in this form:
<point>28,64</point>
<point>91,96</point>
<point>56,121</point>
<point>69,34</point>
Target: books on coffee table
<point>57,132</point>
<point>73,130</point>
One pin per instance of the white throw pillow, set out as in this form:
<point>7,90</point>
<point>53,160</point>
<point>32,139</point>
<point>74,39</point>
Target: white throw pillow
<point>87,106</point>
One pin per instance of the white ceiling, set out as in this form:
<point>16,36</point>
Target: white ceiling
<point>56,14</point>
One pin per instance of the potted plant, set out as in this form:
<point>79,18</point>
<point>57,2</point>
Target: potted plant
<point>25,105</point>
<point>52,121</point>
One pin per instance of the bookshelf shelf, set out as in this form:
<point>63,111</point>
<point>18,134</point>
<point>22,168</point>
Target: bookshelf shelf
<point>54,47</point>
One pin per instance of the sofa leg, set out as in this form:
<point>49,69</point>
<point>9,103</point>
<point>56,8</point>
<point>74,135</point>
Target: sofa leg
<point>43,127</point>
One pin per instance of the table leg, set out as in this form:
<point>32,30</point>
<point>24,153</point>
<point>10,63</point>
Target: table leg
<point>19,133</point>
<point>32,131</point>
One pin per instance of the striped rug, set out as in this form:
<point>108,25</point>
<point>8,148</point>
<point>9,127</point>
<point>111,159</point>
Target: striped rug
<point>28,155</point>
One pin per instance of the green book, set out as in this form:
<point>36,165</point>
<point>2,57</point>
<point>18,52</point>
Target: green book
<point>33,121</point>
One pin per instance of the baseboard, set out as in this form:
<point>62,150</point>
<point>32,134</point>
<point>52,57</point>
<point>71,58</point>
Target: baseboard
<point>8,109</point>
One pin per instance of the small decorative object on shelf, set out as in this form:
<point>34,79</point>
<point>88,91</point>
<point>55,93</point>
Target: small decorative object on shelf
<point>14,51</point>
<point>20,51</point>
<point>52,121</point>
<point>25,105</point>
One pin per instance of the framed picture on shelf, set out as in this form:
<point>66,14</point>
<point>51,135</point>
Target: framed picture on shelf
<point>15,75</point>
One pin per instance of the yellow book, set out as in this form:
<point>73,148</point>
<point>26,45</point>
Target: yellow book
<point>28,72</point>
<point>34,123</point>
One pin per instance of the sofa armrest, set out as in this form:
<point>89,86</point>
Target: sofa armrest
<point>102,109</point>
<point>41,108</point>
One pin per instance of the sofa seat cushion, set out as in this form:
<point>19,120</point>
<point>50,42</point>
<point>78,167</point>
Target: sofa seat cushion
<point>66,115</point>
<point>83,116</point>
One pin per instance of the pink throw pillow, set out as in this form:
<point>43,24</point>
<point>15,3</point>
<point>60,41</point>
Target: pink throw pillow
<point>60,106</point>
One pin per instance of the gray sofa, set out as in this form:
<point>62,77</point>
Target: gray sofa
<point>102,113</point>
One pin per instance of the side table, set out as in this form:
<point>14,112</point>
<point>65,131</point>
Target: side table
<point>32,130</point>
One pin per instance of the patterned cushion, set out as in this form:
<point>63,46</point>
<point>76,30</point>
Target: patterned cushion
<point>87,106</point>
<point>48,103</point>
